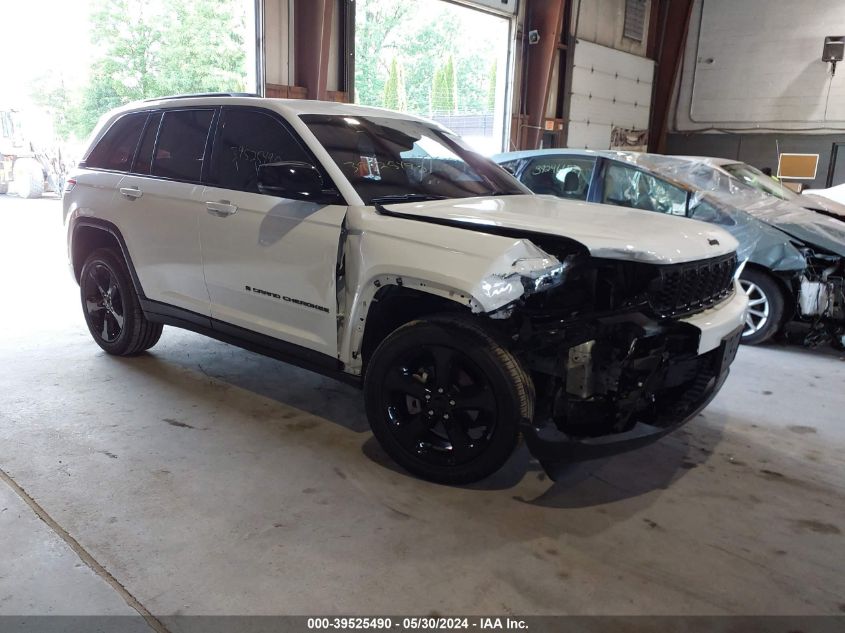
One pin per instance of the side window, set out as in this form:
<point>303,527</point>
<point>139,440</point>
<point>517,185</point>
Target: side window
<point>181,144</point>
<point>117,147</point>
<point>565,177</point>
<point>629,187</point>
<point>707,212</point>
<point>247,139</point>
<point>145,152</point>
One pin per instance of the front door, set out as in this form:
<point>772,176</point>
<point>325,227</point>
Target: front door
<point>270,263</point>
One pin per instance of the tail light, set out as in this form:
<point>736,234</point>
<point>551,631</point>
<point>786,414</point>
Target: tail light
<point>69,185</point>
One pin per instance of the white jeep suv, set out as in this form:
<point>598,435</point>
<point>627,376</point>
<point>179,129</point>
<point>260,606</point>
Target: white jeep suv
<point>378,248</point>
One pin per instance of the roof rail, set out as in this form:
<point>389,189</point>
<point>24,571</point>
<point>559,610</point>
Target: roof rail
<point>204,94</point>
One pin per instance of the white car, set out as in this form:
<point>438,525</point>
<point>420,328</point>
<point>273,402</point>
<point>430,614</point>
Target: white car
<point>378,248</point>
<point>835,194</point>
<point>811,199</point>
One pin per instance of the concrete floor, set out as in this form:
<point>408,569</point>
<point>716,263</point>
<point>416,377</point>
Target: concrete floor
<point>202,479</point>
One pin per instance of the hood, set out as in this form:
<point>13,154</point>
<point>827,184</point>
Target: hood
<point>736,198</point>
<point>820,203</point>
<point>606,231</point>
<point>810,227</point>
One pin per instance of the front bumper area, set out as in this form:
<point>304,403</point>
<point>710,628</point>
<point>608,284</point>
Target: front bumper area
<point>680,389</point>
<point>719,321</point>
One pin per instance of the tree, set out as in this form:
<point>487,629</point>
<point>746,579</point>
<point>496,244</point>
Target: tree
<point>490,105</point>
<point>205,48</point>
<point>51,94</point>
<point>444,89</point>
<point>423,37</point>
<point>376,22</point>
<point>154,49</point>
<point>394,88</point>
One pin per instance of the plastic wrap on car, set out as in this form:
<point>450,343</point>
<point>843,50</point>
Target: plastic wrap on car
<point>748,214</point>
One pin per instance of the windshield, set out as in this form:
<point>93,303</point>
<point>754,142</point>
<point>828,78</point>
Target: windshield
<point>753,177</point>
<point>388,159</point>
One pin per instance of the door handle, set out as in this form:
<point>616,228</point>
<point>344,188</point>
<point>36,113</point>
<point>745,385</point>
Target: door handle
<point>131,192</point>
<point>221,209</point>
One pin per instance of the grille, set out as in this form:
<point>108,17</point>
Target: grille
<point>682,289</point>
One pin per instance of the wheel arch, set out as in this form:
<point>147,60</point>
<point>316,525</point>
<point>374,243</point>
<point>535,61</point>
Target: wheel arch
<point>390,302</point>
<point>89,234</point>
<point>784,283</point>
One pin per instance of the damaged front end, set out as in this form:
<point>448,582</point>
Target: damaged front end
<point>617,356</point>
<point>821,297</point>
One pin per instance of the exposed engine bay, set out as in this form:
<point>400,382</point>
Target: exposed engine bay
<point>822,290</point>
<point>607,350</point>
<point>820,293</point>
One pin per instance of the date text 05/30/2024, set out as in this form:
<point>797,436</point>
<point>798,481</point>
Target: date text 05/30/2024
<point>429,623</point>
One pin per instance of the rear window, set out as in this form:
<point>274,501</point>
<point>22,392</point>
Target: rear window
<point>145,152</point>
<point>117,147</point>
<point>180,149</point>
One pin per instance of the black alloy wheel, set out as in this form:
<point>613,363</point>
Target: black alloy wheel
<point>103,302</point>
<point>111,307</point>
<point>445,399</point>
<point>440,405</point>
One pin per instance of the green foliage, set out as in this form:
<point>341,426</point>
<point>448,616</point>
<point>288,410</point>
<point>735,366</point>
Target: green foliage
<point>50,93</point>
<point>444,89</point>
<point>424,39</point>
<point>376,24</point>
<point>394,88</point>
<point>150,50</point>
<point>491,85</point>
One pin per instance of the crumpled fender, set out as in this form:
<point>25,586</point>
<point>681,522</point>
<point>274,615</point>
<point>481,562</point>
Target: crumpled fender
<point>482,271</point>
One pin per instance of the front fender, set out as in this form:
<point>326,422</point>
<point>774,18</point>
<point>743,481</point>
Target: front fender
<point>480,271</point>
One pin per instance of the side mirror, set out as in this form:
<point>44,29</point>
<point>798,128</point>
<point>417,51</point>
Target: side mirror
<point>294,180</point>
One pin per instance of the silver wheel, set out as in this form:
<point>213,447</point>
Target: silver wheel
<point>758,308</point>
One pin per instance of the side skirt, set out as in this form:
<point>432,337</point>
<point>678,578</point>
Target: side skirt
<point>245,339</point>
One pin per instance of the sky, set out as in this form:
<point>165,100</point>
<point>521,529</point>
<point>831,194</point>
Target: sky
<point>43,35</point>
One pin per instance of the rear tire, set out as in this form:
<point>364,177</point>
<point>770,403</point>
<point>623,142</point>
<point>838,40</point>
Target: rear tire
<point>765,308</point>
<point>28,178</point>
<point>111,307</point>
<point>445,400</point>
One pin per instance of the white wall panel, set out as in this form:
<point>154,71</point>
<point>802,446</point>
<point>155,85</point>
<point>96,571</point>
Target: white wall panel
<point>278,50</point>
<point>588,135</point>
<point>757,64</point>
<point>610,88</point>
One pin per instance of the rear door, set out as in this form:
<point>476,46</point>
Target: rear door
<point>159,203</point>
<point>106,165</point>
<point>270,263</point>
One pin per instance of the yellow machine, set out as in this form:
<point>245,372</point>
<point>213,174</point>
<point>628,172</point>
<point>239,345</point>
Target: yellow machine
<point>26,167</point>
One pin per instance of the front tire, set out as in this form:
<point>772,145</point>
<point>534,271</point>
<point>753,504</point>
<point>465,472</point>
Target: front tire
<point>111,307</point>
<point>445,400</point>
<point>765,306</point>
